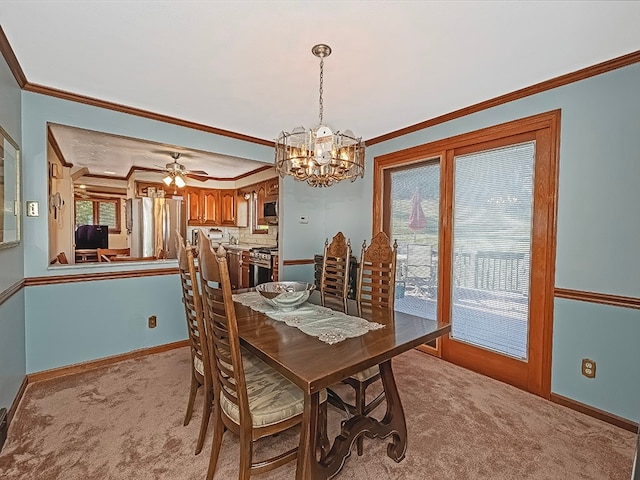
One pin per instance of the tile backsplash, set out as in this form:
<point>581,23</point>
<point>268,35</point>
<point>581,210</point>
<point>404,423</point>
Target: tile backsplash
<point>243,235</point>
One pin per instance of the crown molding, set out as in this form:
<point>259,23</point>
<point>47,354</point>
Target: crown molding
<point>604,67</point>
<point>556,82</point>
<point>11,59</point>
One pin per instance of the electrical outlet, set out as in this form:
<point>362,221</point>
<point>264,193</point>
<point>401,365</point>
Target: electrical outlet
<point>153,321</point>
<point>32,209</point>
<point>588,368</point>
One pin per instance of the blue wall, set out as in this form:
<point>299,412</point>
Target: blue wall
<point>609,336</point>
<point>12,347</point>
<point>597,231</point>
<point>78,322</point>
<point>74,322</point>
<point>12,343</point>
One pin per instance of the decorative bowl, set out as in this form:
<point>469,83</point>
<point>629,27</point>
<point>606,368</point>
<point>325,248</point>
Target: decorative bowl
<point>285,295</point>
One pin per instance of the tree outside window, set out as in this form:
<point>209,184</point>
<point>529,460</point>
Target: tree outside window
<point>99,212</point>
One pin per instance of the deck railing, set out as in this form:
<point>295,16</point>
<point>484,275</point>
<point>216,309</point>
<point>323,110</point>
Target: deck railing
<point>484,270</point>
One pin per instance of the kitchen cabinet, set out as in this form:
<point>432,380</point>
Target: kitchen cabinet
<point>244,269</point>
<point>227,205</point>
<point>210,199</point>
<point>203,205</point>
<point>274,268</point>
<point>210,206</point>
<point>235,274</point>
<point>261,195</point>
<point>194,206</point>
<point>242,209</point>
<point>272,188</point>
<point>142,189</point>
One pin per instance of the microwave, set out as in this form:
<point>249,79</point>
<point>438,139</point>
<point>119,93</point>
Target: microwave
<point>270,212</point>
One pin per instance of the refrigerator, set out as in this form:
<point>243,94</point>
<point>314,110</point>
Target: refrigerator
<point>152,225</point>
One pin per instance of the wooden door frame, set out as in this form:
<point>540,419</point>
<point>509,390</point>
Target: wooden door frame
<point>545,127</point>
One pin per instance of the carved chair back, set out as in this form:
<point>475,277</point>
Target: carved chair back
<point>377,273</point>
<point>334,280</point>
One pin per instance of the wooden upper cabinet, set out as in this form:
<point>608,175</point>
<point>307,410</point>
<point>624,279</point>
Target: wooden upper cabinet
<point>228,207</point>
<point>210,206</point>
<point>273,187</point>
<point>194,206</point>
<point>242,208</point>
<point>203,205</point>
<point>142,189</point>
<point>261,190</point>
<point>210,199</point>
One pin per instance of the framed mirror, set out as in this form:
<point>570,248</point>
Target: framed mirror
<point>9,191</point>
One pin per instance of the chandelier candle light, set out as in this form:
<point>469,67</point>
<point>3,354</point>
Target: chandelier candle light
<point>319,156</point>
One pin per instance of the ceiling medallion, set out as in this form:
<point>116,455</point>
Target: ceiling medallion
<point>319,156</point>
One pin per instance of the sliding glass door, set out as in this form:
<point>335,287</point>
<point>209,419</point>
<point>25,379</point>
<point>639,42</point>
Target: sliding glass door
<point>474,218</point>
<point>492,221</point>
<point>415,218</point>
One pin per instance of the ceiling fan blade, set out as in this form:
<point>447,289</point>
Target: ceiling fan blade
<point>199,178</point>
<point>198,172</point>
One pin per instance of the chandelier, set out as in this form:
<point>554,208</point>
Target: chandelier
<point>319,156</point>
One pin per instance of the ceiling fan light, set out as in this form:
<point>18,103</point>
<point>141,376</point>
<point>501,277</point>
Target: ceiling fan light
<point>167,180</point>
<point>179,181</point>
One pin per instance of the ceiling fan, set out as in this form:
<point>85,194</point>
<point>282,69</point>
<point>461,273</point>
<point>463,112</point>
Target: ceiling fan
<point>177,173</point>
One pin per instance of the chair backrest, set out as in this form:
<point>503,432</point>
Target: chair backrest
<point>105,254</point>
<point>226,359</point>
<point>192,305</point>
<point>334,280</point>
<point>61,258</point>
<point>377,273</point>
<point>419,268</point>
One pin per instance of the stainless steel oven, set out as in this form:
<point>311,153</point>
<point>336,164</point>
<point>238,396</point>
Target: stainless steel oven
<point>260,266</point>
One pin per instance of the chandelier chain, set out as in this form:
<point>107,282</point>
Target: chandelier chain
<point>321,82</point>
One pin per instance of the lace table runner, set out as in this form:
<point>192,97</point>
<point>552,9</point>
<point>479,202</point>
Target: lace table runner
<point>327,325</point>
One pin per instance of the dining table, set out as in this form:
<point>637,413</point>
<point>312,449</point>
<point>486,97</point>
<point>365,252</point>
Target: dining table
<point>314,365</point>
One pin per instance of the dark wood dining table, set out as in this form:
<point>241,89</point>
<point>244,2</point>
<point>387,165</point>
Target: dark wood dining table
<point>314,365</point>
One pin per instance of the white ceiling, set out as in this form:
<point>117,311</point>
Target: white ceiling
<point>247,67</point>
<point>105,154</point>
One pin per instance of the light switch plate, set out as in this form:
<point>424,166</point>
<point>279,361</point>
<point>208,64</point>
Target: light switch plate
<point>32,209</point>
<point>303,219</point>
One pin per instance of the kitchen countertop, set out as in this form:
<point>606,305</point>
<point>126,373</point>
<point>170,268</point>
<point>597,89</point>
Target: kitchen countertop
<point>244,246</point>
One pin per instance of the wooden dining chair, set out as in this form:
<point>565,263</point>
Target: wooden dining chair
<point>106,254</point>
<point>334,279</point>
<point>375,288</point>
<point>61,258</point>
<point>200,364</point>
<point>251,400</point>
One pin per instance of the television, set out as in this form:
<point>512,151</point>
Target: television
<point>92,237</point>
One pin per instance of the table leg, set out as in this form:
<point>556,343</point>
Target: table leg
<point>307,466</point>
<point>394,418</point>
<point>393,424</point>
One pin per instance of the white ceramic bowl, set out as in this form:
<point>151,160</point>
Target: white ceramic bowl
<point>285,295</point>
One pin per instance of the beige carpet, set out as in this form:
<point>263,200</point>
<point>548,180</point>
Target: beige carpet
<point>125,422</point>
